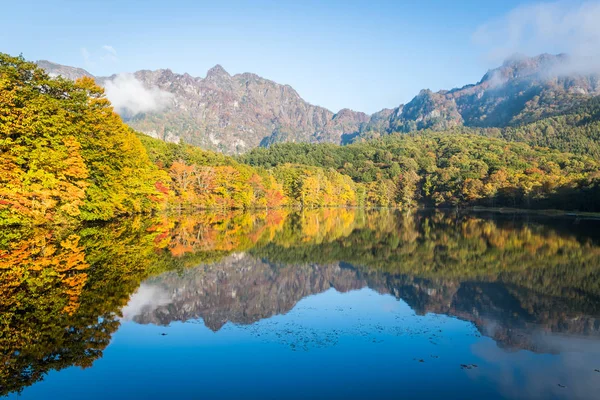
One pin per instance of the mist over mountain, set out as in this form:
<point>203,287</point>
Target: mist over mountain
<point>235,113</point>
<point>522,90</point>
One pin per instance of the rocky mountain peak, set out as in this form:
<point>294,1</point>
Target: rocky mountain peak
<point>424,93</point>
<point>348,114</point>
<point>217,72</point>
<point>66,72</point>
<point>519,67</point>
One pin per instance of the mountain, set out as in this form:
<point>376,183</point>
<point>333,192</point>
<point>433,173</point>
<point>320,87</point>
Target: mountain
<point>224,112</point>
<point>522,90</point>
<point>235,113</point>
<point>62,70</point>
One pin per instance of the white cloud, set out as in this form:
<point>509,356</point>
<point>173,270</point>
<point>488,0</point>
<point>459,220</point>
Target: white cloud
<point>105,55</point>
<point>110,54</point>
<point>520,374</point>
<point>87,58</point>
<point>110,49</point>
<point>129,96</point>
<point>568,27</point>
<point>146,299</point>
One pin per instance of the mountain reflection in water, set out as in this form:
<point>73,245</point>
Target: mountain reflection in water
<point>527,282</point>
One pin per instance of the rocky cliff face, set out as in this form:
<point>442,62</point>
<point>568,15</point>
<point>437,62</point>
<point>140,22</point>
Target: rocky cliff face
<point>228,113</point>
<point>521,90</point>
<point>234,113</point>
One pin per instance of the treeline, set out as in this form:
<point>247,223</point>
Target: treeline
<point>438,169</point>
<point>208,180</point>
<point>575,130</point>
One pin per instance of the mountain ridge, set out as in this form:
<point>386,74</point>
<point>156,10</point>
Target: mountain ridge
<point>235,113</point>
<point>238,112</point>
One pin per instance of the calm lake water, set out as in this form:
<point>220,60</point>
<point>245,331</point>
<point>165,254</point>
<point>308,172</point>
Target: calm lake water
<point>324,304</point>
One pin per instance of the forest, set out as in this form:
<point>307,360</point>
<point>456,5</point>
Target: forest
<point>439,169</point>
<point>66,157</point>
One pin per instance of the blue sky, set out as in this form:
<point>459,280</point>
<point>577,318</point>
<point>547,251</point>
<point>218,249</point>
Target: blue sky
<point>364,55</point>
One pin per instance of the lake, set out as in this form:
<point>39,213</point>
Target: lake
<point>331,303</point>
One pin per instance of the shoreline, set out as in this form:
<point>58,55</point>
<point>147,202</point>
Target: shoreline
<point>578,215</point>
<point>547,213</point>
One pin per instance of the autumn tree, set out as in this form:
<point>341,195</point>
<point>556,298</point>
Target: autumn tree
<point>65,155</point>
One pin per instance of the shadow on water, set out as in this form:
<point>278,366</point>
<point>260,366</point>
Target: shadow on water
<point>528,282</point>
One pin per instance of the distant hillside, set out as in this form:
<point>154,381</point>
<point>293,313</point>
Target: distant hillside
<point>575,130</point>
<point>522,90</point>
<point>55,70</point>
